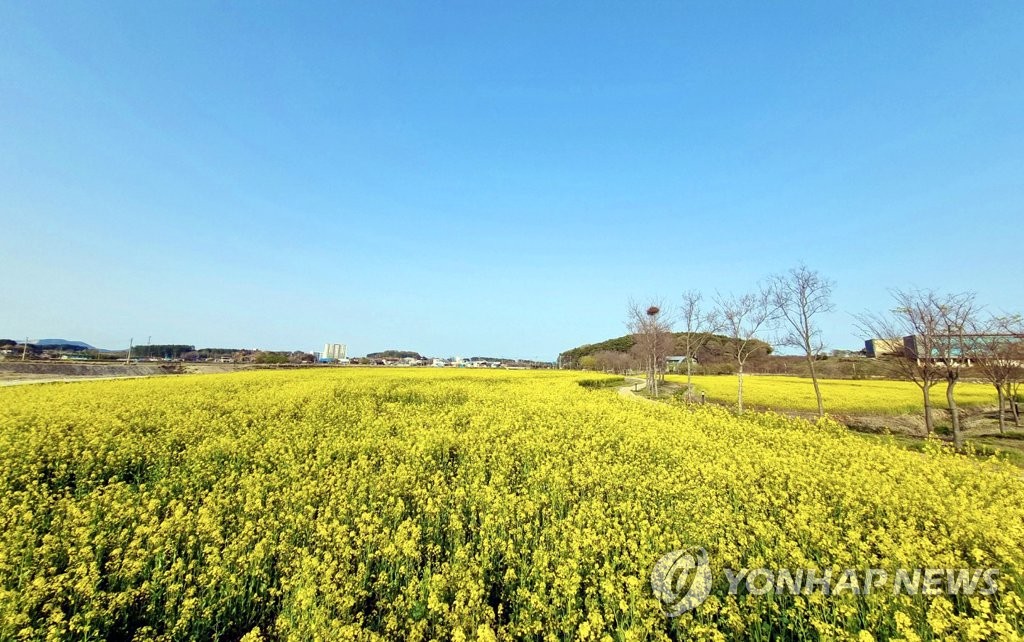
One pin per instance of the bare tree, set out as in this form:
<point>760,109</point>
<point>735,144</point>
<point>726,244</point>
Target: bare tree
<point>612,361</point>
<point>998,356</point>
<point>800,296</point>
<point>916,320</point>
<point>666,346</point>
<point>1015,353</point>
<point>953,348</point>
<point>700,325</point>
<point>1013,392</point>
<point>743,317</point>
<point>649,326</point>
<point>1012,329</point>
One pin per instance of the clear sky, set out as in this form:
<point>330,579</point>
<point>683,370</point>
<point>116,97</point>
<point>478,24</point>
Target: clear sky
<point>494,178</point>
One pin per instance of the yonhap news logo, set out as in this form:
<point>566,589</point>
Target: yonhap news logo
<point>682,581</point>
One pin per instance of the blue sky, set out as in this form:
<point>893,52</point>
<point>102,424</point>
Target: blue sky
<point>494,178</point>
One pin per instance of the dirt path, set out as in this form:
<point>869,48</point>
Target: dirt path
<point>25,382</point>
<point>628,389</point>
<point>634,385</point>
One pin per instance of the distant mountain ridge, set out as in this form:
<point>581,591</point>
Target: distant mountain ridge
<point>65,343</point>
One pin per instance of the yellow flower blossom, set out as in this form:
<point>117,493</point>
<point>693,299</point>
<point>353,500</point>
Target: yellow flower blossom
<point>373,504</point>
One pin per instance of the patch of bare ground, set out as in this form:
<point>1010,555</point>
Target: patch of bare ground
<point>980,426</point>
<point>26,372</point>
<point>637,388</point>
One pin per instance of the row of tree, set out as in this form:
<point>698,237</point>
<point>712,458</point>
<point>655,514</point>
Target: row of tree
<point>945,334</point>
<point>163,351</point>
<point>790,303</point>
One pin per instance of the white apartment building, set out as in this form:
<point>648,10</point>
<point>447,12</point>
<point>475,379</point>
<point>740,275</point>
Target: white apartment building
<point>334,351</point>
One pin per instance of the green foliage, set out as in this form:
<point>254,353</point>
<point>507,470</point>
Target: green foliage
<point>168,351</point>
<point>394,354</point>
<point>715,350</point>
<point>603,382</point>
<point>619,344</point>
<point>271,357</point>
<point>217,352</point>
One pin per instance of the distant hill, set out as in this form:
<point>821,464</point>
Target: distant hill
<point>619,344</point>
<point>714,350</point>
<point>63,344</point>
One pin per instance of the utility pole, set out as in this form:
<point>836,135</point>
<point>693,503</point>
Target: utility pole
<point>128,360</point>
<point>24,349</point>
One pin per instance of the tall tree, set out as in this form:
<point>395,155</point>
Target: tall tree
<point>700,325</point>
<point>1013,329</point>
<point>999,356</point>
<point>743,317</point>
<point>649,326</point>
<point>612,361</point>
<point>917,322</point>
<point>953,347</point>
<point>801,296</point>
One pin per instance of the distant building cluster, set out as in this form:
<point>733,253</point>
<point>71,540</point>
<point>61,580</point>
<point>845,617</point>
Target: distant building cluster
<point>450,362</point>
<point>875,348</point>
<point>334,352</point>
<point>958,348</point>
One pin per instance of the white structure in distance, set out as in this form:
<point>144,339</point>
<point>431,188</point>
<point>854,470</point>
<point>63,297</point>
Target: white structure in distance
<point>334,351</point>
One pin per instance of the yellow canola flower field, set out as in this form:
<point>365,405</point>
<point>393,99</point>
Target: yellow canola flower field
<point>841,396</point>
<point>422,504</point>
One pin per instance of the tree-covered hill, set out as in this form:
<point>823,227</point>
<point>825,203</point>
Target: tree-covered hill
<point>716,349</point>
